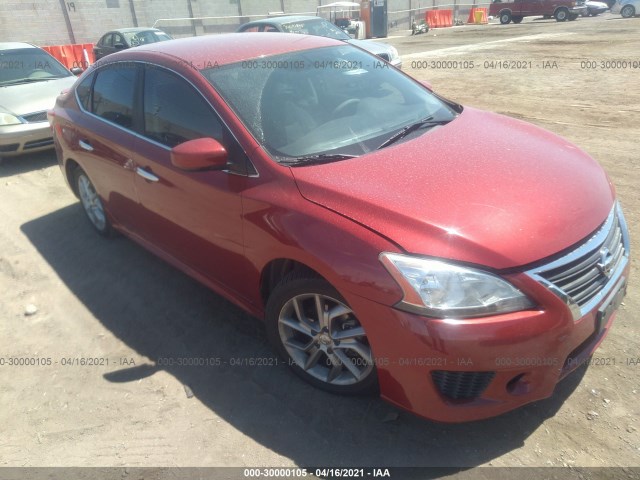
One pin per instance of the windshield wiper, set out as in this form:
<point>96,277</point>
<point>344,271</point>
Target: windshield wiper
<point>316,159</point>
<point>26,80</point>
<point>425,122</point>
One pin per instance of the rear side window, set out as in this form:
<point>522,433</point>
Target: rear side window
<point>174,112</point>
<point>84,92</point>
<point>113,94</point>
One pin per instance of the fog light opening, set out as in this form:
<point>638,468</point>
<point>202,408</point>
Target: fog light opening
<point>518,385</point>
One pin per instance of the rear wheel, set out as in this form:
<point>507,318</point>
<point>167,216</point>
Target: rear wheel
<point>312,327</point>
<point>562,14</point>
<point>91,202</point>
<point>628,11</point>
<point>505,17</point>
<point>572,16</point>
<point>517,19</point>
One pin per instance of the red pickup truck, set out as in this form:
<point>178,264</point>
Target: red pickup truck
<point>515,10</point>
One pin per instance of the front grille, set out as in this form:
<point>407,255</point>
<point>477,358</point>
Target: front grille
<point>461,385</point>
<point>12,147</point>
<point>584,275</point>
<point>45,142</point>
<point>35,117</point>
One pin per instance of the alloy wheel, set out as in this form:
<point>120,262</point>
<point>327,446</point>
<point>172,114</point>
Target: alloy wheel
<point>325,339</point>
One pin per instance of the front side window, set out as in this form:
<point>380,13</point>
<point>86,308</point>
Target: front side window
<point>325,101</point>
<point>113,94</point>
<point>174,112</point>
<point>107,40</point>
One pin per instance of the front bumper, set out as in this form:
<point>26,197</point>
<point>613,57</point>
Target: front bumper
<point>25,138</point>
<point>461,370</point>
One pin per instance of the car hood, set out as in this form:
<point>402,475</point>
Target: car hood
<point>485,189</point>
<point>371,47</point>
<point>33,97</point>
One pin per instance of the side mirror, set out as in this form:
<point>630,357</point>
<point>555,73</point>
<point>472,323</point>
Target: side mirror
<point>427,85</point>
<point>199,154</point>
<point>76,71</point>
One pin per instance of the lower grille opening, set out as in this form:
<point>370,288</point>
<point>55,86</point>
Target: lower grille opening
<point>9,148</point>
<point>38,143</point>
<point>461,385</point>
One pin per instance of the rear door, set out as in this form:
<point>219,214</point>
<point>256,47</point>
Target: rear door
<point>195,217</point>
<point>103,136</point>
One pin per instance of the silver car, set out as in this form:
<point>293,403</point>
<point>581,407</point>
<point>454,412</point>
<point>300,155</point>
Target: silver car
<point>30,81</point>
<point>627,8</point>
<point>320,27</point>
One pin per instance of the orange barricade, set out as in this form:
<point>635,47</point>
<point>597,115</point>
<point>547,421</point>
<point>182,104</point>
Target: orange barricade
<point>439,18</point>
<point>72,56</point>
<point>478,16</point>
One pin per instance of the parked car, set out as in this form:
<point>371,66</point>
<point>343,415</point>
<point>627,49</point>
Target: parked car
<point>310,25</point>
<point>515,10</point>
<point>30,81</point>
<point>626,8</point>
<point>459,261</point>
<point>594,8</point>
<point>124,38</point>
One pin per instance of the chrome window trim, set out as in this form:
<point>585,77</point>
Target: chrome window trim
<point>594,242</point>
<point>142,137</point>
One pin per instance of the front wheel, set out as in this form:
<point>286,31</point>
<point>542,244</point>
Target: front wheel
<point>316,332</point>
<point>91,203</point>
<point>572,16</point>
<point>517,19</point>
<point>505,18</point>
<point>628,11</point>
<point>561,15</point>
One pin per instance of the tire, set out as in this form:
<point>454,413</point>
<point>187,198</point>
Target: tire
<point>561,15</point>
<point>319,348</point>
<point>91,203</point>
<point>628,11</point>
<point>505,18</point>
<point>517,19</point>
<point>572,16</point>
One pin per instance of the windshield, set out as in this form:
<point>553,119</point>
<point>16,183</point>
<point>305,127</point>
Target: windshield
<point>145,37</point>
<point>24,65</point>
<point>318,27</point>
<point>332,100</point>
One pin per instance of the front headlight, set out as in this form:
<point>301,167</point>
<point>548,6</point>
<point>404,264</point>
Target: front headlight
<point>8,119</point>
<point>438,289</point>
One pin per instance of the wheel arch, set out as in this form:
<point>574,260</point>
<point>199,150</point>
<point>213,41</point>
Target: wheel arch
<point>277,269</point>
<point>70,166</point>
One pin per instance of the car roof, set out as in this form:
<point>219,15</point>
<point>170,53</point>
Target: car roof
<point>135,30</point>
<point>15,45</point>
<point>229,47</point>
<point>284,19</point>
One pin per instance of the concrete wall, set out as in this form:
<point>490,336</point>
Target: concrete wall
<point>55,22</point>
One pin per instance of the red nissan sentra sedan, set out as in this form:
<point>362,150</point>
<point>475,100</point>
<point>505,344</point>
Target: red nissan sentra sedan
<point>458,261</point>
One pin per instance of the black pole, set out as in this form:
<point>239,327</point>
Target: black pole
<point>67,20</point>
<point>133,13</point>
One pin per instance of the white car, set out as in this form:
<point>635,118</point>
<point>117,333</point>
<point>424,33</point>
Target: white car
<point>626,8</point>
<point>594,8</point>
<point>30,82</point>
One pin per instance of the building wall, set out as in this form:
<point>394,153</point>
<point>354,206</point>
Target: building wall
<point>43,22</point>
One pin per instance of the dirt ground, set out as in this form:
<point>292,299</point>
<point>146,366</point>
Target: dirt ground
<point>111,301</point>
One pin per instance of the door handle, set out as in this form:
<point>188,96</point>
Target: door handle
<point>85,145</point>
<point>147,175</point>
